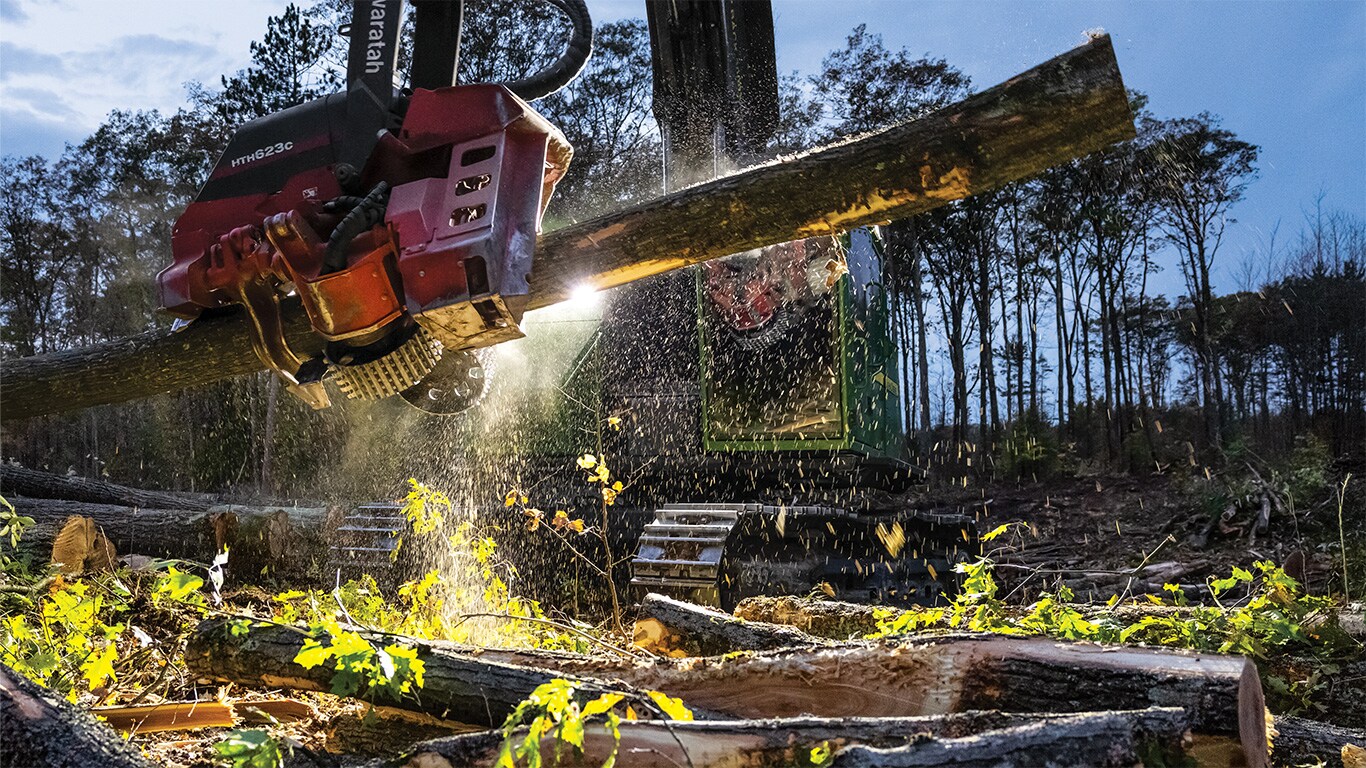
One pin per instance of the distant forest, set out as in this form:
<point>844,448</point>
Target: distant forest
<point>1028,328</point>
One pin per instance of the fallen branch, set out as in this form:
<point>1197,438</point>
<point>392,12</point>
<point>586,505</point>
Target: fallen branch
<point>280,539</point>
<point>458,686</point>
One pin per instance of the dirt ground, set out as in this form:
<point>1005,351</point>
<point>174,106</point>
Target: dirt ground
<point>1103,534</point>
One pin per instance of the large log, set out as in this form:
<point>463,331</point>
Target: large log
<point>457,686</point>
<point>955,673</point>
<point>38,728</point>
<point>675,628</point>
<point>926,677</point>
<point>1067,107</point>
<point>1087,740</point>
<point>973,738</point>
<point>16,480</point>
<point>283,540</point>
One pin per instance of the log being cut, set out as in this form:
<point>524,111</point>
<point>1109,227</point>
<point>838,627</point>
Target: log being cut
<point>1065,108</point>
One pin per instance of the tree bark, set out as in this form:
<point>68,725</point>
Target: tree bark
<point>1067,107</point>
<point>1303,742</point>
<point>284,540</point>
<point>956,739</point>
<point>822,618</point>
<point>38,728</point>
<point>675,628</point>
<point>1087,740</point>
<point>22,481</point>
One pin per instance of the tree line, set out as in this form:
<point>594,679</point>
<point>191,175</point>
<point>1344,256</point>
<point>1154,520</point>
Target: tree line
<point>1037,298</point>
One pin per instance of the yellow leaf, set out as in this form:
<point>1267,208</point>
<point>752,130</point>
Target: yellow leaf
<point>671,707</point>
<point>588,461</point>
<point>601,704</point>
<point>99,666</point>
<point>577,525</point>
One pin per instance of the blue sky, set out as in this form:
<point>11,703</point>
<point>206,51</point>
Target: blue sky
<point>1289,76</point>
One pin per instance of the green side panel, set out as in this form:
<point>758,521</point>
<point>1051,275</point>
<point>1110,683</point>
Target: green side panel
<point>820,376</point>
<point>871,381</point>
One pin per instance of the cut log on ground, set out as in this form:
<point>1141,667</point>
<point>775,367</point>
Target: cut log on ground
<point>39,728</point>
<point>674,628</point>
<point>924,677</point>
<point>16,480</point>
<point>1065,108</point>
<point>967,739</point>
<point>960,673</point>
<point>282,540</point>
<point>1303,742</point>
<point>458,687</point>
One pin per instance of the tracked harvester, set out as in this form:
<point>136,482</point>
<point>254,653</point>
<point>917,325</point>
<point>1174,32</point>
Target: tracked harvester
<point>757,396</point>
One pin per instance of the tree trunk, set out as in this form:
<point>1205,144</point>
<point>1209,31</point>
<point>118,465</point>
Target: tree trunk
<point>38,728</point>
<point>22,481</point>
<point>1070,106</point>
<point>969,739</point>
<point>284,540</point>
<point>822,618</point>
<point>675,628</point>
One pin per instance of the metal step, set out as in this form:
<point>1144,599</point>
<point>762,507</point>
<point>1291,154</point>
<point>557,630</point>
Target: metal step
<point>366,540</point>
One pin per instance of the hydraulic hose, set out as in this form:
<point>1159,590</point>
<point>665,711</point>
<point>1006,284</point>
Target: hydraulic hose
<point>564,69</point>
